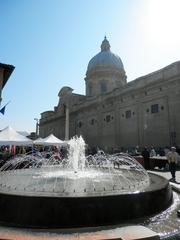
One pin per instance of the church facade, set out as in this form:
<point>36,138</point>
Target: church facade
<point>115,113</point>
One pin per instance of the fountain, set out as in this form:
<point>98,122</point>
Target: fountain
<point>79,191</point>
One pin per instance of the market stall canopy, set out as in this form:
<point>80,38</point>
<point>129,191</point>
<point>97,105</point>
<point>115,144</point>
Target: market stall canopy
<point>8,136</point>
<point>51,140</point>
<point>38,141</point>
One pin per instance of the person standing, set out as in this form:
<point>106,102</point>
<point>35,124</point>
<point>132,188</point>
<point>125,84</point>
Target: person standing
<point>152,152</point>
<point>137,151</point>
<point>172,158</point>
<point>146,155</point>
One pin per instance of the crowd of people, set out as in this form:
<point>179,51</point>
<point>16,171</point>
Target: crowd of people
<point>7,152</point>
<point>10,151</point>
<point>172,154</point>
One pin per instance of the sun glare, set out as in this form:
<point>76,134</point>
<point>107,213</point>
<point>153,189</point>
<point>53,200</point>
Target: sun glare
<point>161,22</point>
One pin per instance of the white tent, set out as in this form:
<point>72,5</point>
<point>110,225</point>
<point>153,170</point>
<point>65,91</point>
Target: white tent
<point>51,140</point>
<point>38,141</point>
<point>8,136</point>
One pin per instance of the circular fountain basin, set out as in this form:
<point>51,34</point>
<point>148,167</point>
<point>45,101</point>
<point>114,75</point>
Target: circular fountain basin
<point>71,200</point>
<point>53,180</point>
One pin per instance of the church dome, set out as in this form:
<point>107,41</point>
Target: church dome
<point>105,58</point>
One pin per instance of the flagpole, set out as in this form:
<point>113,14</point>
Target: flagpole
<point>7,103</point>
<point>2,110</point>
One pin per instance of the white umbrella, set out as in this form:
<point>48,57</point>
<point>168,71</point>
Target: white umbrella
<point>8,136</point>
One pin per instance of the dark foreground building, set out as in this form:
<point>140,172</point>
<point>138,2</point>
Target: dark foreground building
<point>5,72</point>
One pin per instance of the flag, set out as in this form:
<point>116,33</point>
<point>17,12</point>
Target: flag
<point>2,111</point>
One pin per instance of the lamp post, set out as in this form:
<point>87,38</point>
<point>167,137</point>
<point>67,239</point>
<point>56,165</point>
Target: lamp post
<point>37,126</point>
<point>67,123</point>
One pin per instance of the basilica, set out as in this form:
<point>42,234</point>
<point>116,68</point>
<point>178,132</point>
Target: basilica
<point>115,113</point>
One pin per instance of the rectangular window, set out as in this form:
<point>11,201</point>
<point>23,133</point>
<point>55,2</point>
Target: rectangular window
<point>92,121</point>
<point>108,118</point>
<point>155,108</point>
<point>128,114</point>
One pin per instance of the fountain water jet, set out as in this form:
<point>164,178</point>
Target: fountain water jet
<point>77,153</point>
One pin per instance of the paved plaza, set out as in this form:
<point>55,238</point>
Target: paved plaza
<point>167,175</point>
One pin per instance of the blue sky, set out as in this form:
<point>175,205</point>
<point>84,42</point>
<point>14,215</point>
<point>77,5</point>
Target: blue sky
<point>50,42</point>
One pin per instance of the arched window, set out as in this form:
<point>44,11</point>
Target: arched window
<point>103,87</point>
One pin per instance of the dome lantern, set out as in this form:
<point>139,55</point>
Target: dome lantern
<point>105,46</point>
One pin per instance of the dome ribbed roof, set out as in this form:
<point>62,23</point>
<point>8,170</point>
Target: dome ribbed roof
<point>105,58</point>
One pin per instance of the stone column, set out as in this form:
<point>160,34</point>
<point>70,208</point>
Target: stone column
<point>37,129</point>
<point>67,124</point>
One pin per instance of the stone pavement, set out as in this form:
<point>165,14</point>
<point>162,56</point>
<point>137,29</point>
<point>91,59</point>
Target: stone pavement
<point>133,232</point>
<point>167,175</point>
